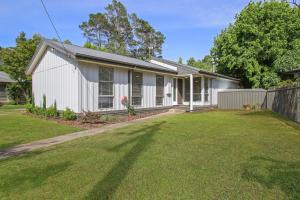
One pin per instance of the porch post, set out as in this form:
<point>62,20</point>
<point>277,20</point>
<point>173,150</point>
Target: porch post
<point>191,92</point>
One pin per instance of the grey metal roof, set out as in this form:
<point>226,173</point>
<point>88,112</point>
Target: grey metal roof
<point>186,69</point>
<point>4,78</point>
<point>292,71</point>
<point>82,52</point>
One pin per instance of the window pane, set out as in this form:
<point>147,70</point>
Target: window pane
<point>186,89</point>
<point>137,84</point>
<point>105,102</point>
<point>2,91</point>
<point>197,89</point>
<point>159,101</point>
<point>105,87</point>
<point>159,86</point>
<point>174,89</point>
<point>206,92</point>
<point>2,87</point>
<point>136,101</point>
<point>105,74</point>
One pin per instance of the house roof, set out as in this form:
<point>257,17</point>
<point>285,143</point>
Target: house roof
<point>292,71</point>
<point>186,69</point>
<point>4,78</point>
<point>96,55</point>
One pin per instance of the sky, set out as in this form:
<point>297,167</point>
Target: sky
<point>189,25</point>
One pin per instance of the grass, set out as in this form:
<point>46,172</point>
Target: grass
<point>17,128</point>
<point>214,155</point>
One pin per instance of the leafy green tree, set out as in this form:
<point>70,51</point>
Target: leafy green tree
<point>119,32</point>
<point>262,42</point>
<point>148,42</point>
<point>16,60</point>
<point>205,63</point>
<point>67,42</point>
<point>180,61</point>
<point>96,29</point>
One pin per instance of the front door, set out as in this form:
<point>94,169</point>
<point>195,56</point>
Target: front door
<point>179,92</point>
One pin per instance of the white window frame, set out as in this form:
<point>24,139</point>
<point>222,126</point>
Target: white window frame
<point>113,89</point>
<point>163,95</point>
<point>142,89</point>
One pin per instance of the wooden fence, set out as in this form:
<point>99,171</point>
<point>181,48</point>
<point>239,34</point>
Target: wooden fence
<point>285,101</point>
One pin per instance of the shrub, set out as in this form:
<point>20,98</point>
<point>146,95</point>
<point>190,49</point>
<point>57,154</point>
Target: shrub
<point>131,111</point>
<point>51,112</point>
<point>44,102</point>
<point>108,118</point>
<point>130,108</point>
<point>30,108</point>
<point>38,111</point>
<point>68,114</point>
<point>90,117</point>
<point>15,92</point>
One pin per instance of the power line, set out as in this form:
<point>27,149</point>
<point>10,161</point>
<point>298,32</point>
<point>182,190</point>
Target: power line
<point>49,17</point>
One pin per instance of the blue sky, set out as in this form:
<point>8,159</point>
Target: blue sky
<point>189,25</point>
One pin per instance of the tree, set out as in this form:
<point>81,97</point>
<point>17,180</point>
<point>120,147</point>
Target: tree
<point>67,42</point>
<point>262,42</point>
<point>180,61</point>
<point>119,32</point>
<point>148,42</point>
<point>204,64</point>
<point>96,29</point>
<point>15,61</point>
<point>121,36</point>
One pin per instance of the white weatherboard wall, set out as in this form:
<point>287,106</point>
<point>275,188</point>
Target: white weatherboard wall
<point>89,88</point>
<point>168,100</point>
<point>56,77</point>
<point>149,90</point>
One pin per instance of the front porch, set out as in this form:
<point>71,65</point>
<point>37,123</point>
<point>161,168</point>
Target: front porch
<point>193,90</point>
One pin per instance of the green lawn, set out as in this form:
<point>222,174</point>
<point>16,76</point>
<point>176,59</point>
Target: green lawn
<point>17,128</point>
<point>214,155</point>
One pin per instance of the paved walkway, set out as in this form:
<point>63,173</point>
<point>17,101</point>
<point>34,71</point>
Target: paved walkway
<point>23,148</point>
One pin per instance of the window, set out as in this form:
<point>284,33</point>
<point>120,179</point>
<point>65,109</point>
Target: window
<point>187,89</point>
<point>106,76</point>
<point>197,89</point>
<point>206,92</point>
<point>159,90</point>
<point>137,88</point>
<point>2,91</point>
<point>174,88</point>
<point>2,87</point>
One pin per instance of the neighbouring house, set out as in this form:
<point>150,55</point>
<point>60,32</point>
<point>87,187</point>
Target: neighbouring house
<point>4,81</point>
<point>87,80</point>
<point>295,73</point>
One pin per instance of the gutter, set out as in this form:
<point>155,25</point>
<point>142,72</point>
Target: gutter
<point>96,60</point>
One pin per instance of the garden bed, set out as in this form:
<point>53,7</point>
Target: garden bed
<point>96,120</point>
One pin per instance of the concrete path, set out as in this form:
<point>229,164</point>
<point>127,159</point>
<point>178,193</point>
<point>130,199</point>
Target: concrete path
<point>23,148</point>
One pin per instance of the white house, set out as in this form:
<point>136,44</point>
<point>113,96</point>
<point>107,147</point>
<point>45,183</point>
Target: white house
<point>85,80</point>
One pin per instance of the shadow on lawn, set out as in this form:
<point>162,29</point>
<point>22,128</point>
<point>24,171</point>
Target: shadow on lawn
<point>265,113</point>
<point>270,173</point>
<point>106,188</point>
<point>31,177</point>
